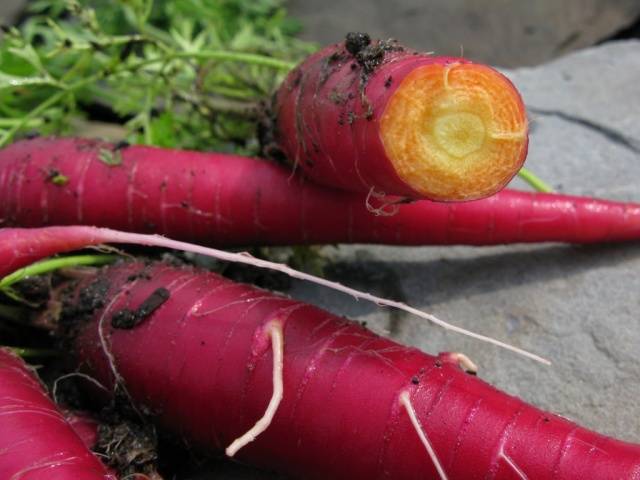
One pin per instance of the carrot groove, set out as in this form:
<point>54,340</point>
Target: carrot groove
<point>196,363</point>
<point>223,200</point>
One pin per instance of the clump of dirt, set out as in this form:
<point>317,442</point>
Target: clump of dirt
<point>35,290</point>
<point>75,309</point>
<point>355,42</point>
<point>368,54</point>
<point>128,319</point>
<point>266,131</point>
<point>127,446</point>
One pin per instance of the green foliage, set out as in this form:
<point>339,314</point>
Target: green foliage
<point>177,73</point>
<point>44,267</point>
<point>110,157</point>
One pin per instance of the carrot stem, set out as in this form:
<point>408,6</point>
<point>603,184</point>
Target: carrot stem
<point>229,56</point>
<point>52,264</point>
<point>34,352</point>
<point>222,55</point>
<point>536,182</point>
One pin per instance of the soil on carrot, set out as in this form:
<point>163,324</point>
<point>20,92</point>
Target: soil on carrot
<point>46,304</point>
<point>369,55</point>
<point>73,312</point>
<point>127,319</point>
<point>35,289</point>
<point>364,56</point>
<point>267,134</point>
<point>128,446</point>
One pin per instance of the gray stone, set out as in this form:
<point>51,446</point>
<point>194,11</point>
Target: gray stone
<point>577,306</point>
<point>498,32</point>
<point>10,9</point>
<point>585,119</point>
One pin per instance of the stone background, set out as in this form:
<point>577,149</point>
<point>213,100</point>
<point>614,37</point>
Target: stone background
<point>9,10</point>
<point>499,32</point>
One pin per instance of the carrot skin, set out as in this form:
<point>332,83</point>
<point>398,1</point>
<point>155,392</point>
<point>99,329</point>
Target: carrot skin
<point>36,441</point>
<point>201,364</point>
<point>85,426</point>
<point>226,200</point>
<point>330,139</point>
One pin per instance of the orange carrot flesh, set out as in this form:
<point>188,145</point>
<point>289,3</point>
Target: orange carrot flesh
<point>455,132</point>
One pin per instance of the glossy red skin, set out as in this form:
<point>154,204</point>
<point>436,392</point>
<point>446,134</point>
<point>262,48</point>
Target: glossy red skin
<point>323,127</point>
<point>201,362</point>
<point>36,442</point>
<point>226,200</point>
<point>85,426</point>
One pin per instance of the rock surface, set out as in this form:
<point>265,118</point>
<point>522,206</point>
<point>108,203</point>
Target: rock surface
<point>10,9</point>
<point>498,32</point>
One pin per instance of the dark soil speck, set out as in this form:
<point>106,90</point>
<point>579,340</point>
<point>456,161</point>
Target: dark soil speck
<point>356,42</point>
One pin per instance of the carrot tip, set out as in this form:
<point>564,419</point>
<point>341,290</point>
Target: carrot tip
<point>455,131</point>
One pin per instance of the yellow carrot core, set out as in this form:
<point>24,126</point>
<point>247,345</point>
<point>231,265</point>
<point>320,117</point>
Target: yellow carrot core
<point>455,132</point>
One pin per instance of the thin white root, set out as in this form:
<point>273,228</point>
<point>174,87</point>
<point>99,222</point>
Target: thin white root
<point>54,390</point>
<point>118,380</point>
<point>513,466</point>
<point>274,330</point>
<point>108,235</point>
<point>405,401</point>
<point>465,362</point>
<point>380,211</point>
<point>104,344</point>
<point>445,74</point>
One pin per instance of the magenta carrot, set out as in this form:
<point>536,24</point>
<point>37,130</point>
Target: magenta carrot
<point>375,117</point>
<point>219,199</point>
<point>334,400</point>
<point>36,442</point>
